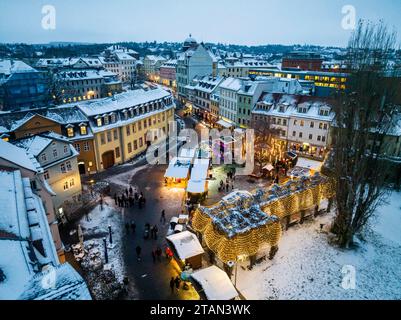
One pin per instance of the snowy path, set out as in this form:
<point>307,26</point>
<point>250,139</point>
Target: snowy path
<point>307,267</point>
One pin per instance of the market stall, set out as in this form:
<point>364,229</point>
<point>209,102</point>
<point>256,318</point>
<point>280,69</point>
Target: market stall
<point>177,172</point>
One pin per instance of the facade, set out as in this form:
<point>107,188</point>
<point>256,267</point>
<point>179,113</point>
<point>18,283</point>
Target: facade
<point>68,121</point>
<point>28,247</point>
<point>22,87</point>
<point>240,67</point>
<point>77,85</point>
<point>151,67</point>
<point>303,123</point>
<point>205,88</point>
<point>121,62</point>
<point>302,61</point>
<point>58,64</point>
<point>325,83</point>
<point>59,161</point>
<point>168,74</point>
<point>123,125</point>
<point>194,61</point>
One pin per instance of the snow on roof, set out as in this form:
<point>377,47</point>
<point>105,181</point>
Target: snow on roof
<point>309,164</point>
<point>19,156</point>
<point>200,169</point>
<point>224,123</point>
<point>35,144</point>
<point>68,285</point>
<point>231,83</point>
<point>178,168</point>
<point>186,244</point>
<point>196,186</point>
<point>8,67</point>
<point>215,283</point>
<point>121,101</point>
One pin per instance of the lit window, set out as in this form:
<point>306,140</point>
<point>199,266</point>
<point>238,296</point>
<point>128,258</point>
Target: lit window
<point>72,182</point>
<point>70,132</point>
<point>99,122</point>
<point>66,185</point>
<point>84,130</point>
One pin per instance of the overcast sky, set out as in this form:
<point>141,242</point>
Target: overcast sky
<point>228,21</point>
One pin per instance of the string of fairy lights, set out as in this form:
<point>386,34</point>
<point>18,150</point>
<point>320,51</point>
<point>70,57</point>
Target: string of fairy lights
<point>280,201</point>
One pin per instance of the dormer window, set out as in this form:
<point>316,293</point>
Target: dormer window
<point>106,120</point>
<point>70,131</point>
<point>83,130</point>
<point>281,109</point>
<point>99,122</point>
<point>112,117</point>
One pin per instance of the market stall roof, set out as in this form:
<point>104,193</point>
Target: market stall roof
<point>309,164</point>
<point>200,169</point>
<point>196,186</point>
<point>186,244</point>
<point>178,168</point>
<point>215,283</point>
<point>225,124</point>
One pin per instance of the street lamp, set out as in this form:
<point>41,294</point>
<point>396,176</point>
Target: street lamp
<point>110,236</point>
<point>106,257</point>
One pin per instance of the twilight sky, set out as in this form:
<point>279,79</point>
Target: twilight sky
<point>228,21</point>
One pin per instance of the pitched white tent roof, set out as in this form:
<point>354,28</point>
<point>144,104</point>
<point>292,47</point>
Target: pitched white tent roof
<point>215,283</point>
<point>309,164</point>
<point>178,168</point>
<point>186,244</point>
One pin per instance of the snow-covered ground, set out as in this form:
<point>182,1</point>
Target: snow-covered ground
<point>308,267</point>
<point>123,179</point>
<point>95,228</point>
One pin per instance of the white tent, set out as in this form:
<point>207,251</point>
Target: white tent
<point>178,168</point>
<point>196,186</point>
<point>309,164</point>
<point>225,124</point>
<point>215,283</point>
<point>186,244</point>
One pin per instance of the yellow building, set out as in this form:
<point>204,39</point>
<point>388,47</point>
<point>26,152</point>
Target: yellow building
<point>125,124</point>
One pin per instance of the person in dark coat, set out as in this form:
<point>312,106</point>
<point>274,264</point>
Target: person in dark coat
<point>138,252</point>
<point>136,196</point>
<point>153,256</point>
<point>127,227</point>
<point>130,190</point>
<point>177,282</point>
<point>133,226</point>
<point>163,217</point>
<point>159,253</point>
<point>155,231</point>
<point>115,199</point>
<point>172,283</point>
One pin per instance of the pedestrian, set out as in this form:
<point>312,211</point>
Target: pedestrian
<point>127,227</point>
<point>126,191</point>
<point>101,203</point>
<point>136,196</point>
<point>133,226</point>
<point>158,253</point>
<point>163,217</point>
<point>155,230</point>
<point>153,256</point>
<point>130,190</point>
<point>172,284</point>
<point>115,199</point>
<point>138,252</point>
<point>227,187</point>
<point>177,282</point>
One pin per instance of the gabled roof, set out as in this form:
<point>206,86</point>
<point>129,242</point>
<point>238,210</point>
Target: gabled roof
<point>19,157</point>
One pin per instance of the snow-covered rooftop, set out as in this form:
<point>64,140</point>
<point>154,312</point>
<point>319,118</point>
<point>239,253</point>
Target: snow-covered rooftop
<point>19,156</point>
<point>215,283</point>
<point>186,244</point>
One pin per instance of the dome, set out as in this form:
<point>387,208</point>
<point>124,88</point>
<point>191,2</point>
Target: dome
<point>190,40</point>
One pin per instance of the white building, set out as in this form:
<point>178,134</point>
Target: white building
<point>151,66</point>
<point>121,61</point>
<point>29,265</point>
<point>228,98</point>
<point>58,159</point>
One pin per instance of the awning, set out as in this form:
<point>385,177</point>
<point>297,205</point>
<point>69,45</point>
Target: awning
<point>225,124</point>
<point>215,283</point>
<point>196,186</point>
<point>178,168</point>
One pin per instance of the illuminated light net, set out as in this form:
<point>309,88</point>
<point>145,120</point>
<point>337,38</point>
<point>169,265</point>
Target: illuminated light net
<point>243,222</point>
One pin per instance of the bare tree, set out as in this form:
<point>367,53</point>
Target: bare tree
<point>364,116</point>
<point>265,133</point>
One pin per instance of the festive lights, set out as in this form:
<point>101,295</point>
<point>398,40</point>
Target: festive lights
<point>244,222</point>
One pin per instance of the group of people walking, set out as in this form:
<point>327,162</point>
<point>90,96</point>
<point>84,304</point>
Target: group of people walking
<point>229,184</point>
<point>128,198</point>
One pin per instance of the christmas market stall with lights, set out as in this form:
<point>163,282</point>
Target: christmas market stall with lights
<point>242,223</point>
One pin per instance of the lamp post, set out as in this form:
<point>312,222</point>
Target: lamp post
<point>106,257</point>
<point>110,236</point>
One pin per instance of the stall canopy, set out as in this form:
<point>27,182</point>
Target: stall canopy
<point>186,244</point>
<point>225,124</point>
<point>215,283</point>
<point>178,168</point>
<point>309,164</point>
<point>196,186</point>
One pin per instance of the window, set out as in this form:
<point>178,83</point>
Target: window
<point>46,175</point>
<point>62,168</point>
<point>84,130</point>
<point>284,122</point>
<point>108,133</point>
<point>70,132</point>
<point>66,185</point>
<point>139,126</point>
<point>323,139</point>
<point>72,182</point>
<point>294,133</point>
<point>128,130</point>
<point>310,136</point>
<point>102,139</point>
<point>43,157</point>
<point>319,138</point>
<point>134,127</point>
<point>325,126</point>
<point>302,123</point>
<point>77,147</point>
<point>55,153</point>
<point>117,150</point>
<point>145,123</point>
<point>295,122</point>
<point>86,146</point>
<point>129,147</point>
<point>115,134</point>
<point>150,122</point>
<point>300,134</point>
<point>320,125</point>
<point>69,167</point>
<point>106,120</point>
<point>65,149</point>
<point>99,122</point>
<point>140,142</point>
<point>312,124</point>
<point>135,145</point>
